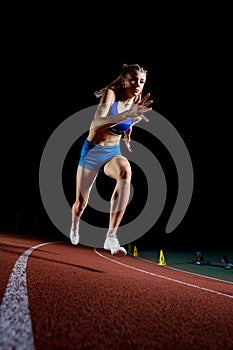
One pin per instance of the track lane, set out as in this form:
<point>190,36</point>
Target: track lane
<point>211,285</point>
<point>80,300</point>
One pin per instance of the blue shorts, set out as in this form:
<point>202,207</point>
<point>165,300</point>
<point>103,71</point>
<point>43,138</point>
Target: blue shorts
<point>94,156</point>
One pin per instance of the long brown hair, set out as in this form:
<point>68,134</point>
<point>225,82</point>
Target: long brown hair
<point>116,85</point>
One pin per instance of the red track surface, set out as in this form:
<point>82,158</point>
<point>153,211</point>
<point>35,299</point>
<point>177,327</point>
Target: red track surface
<point>82,298</point>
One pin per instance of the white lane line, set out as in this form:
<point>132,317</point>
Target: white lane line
<point>164,277</point>
<point>184,271</point>
<point>15,320</point>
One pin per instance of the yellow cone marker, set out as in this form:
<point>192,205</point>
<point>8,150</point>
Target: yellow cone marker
<point>162,261</point>
<point>135,252</point>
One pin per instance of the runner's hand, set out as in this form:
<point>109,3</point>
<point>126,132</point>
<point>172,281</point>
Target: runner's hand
<point>127,139</point>
<point>139,107</point>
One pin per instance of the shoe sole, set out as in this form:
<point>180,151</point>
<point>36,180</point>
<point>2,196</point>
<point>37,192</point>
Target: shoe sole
<point>119,253</point>
<point>74,242</point>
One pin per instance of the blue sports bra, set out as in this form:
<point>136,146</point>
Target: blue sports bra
<point>120,128</point>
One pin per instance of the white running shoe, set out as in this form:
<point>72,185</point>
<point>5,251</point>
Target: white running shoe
<point>112,243</point>
<point>74,236</point>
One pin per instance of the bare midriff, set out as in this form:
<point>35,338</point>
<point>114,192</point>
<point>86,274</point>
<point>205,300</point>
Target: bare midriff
<point>102,137</point>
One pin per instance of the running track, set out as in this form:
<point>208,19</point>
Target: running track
<point>58,296</point>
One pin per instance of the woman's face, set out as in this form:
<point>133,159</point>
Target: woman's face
<point>133,83</point>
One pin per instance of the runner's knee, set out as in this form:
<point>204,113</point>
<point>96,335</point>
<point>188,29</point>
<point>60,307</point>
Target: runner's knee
<point>125,171</point>
<point>79,206</point>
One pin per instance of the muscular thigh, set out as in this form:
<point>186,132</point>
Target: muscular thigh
<point>84,180</point>
<point>118,166</point>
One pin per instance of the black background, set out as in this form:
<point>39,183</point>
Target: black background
<point>51,71</point>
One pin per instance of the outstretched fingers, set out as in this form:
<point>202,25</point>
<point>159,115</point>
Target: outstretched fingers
<point>139,108</point>
<point>144,101</point>
<point>145,109</point>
